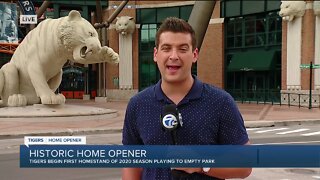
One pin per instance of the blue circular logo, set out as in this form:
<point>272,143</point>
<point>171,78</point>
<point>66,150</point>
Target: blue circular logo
<point>169,121</point>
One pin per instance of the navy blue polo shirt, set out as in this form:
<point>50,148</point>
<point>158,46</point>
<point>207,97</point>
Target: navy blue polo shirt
<point>210,116</point>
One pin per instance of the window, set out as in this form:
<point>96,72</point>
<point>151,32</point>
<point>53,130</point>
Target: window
<point>253,31</point>
<point>251,25</point>
<point>148,15</point>
<point>163,13</point>
<point>185,12</point>
<point>234,32</point>
<point>148,72</point>
<point>234,8</point>
<point>251,7</point>
<point>275,29</point>
<point>157,15</point>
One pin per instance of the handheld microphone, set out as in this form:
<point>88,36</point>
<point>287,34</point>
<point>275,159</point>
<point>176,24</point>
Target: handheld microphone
<point>171,119</point>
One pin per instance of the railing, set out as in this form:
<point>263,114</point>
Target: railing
<point>8,48</point>
<point>301,100</point>
<point>265,96</point>
<point>258,96</point>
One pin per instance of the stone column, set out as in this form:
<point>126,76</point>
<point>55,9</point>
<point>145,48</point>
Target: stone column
<point>125,27</point>
<point>125,65</point>
<point>307,45</point>
<point>294,54</point>
<point>292,12</point>
<point>316,8</point>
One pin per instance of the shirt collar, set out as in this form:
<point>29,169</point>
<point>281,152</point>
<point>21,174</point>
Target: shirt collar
<point>194,93</point>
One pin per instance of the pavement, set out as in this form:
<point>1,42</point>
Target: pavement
<point>254,115</point>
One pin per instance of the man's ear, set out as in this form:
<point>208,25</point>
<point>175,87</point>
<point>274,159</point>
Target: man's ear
<point>155,52</point>
<point>195,55</point>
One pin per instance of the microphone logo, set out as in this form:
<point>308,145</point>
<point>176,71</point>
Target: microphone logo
<point>170,121</point>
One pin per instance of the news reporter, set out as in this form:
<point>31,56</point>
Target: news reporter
<point>210,116</point>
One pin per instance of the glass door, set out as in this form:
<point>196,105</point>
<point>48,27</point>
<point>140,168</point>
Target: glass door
<point>254,87</point>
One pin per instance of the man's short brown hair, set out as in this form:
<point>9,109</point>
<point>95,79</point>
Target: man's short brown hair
<point>176,25</point>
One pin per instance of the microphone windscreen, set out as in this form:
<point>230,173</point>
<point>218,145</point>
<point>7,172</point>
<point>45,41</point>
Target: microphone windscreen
<point>169,117</point>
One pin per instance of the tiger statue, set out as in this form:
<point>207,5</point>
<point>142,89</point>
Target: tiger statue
<point>125,25</point>
<point>35,70</point>
<point>291,9</point>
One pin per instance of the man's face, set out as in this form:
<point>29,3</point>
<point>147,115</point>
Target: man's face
<point>174,56</point>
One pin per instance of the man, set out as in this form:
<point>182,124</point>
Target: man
<point>210,116</point>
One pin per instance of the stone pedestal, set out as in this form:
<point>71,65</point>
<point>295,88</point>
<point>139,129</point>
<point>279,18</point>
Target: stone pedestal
<point>86,97</point>
<point>121,94</point>
<point>101,99</point>
<point>63,110</point>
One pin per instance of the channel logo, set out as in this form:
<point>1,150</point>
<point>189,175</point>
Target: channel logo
<point>169,121</point>
<point>28,19</point>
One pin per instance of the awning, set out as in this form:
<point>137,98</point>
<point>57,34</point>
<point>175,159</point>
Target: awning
<point>252,61</point>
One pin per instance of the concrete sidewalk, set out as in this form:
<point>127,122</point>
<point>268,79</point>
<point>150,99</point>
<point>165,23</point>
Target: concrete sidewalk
<point>255,115</point>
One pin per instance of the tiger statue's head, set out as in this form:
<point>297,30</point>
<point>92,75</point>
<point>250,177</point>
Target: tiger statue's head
<point>125,25</point>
